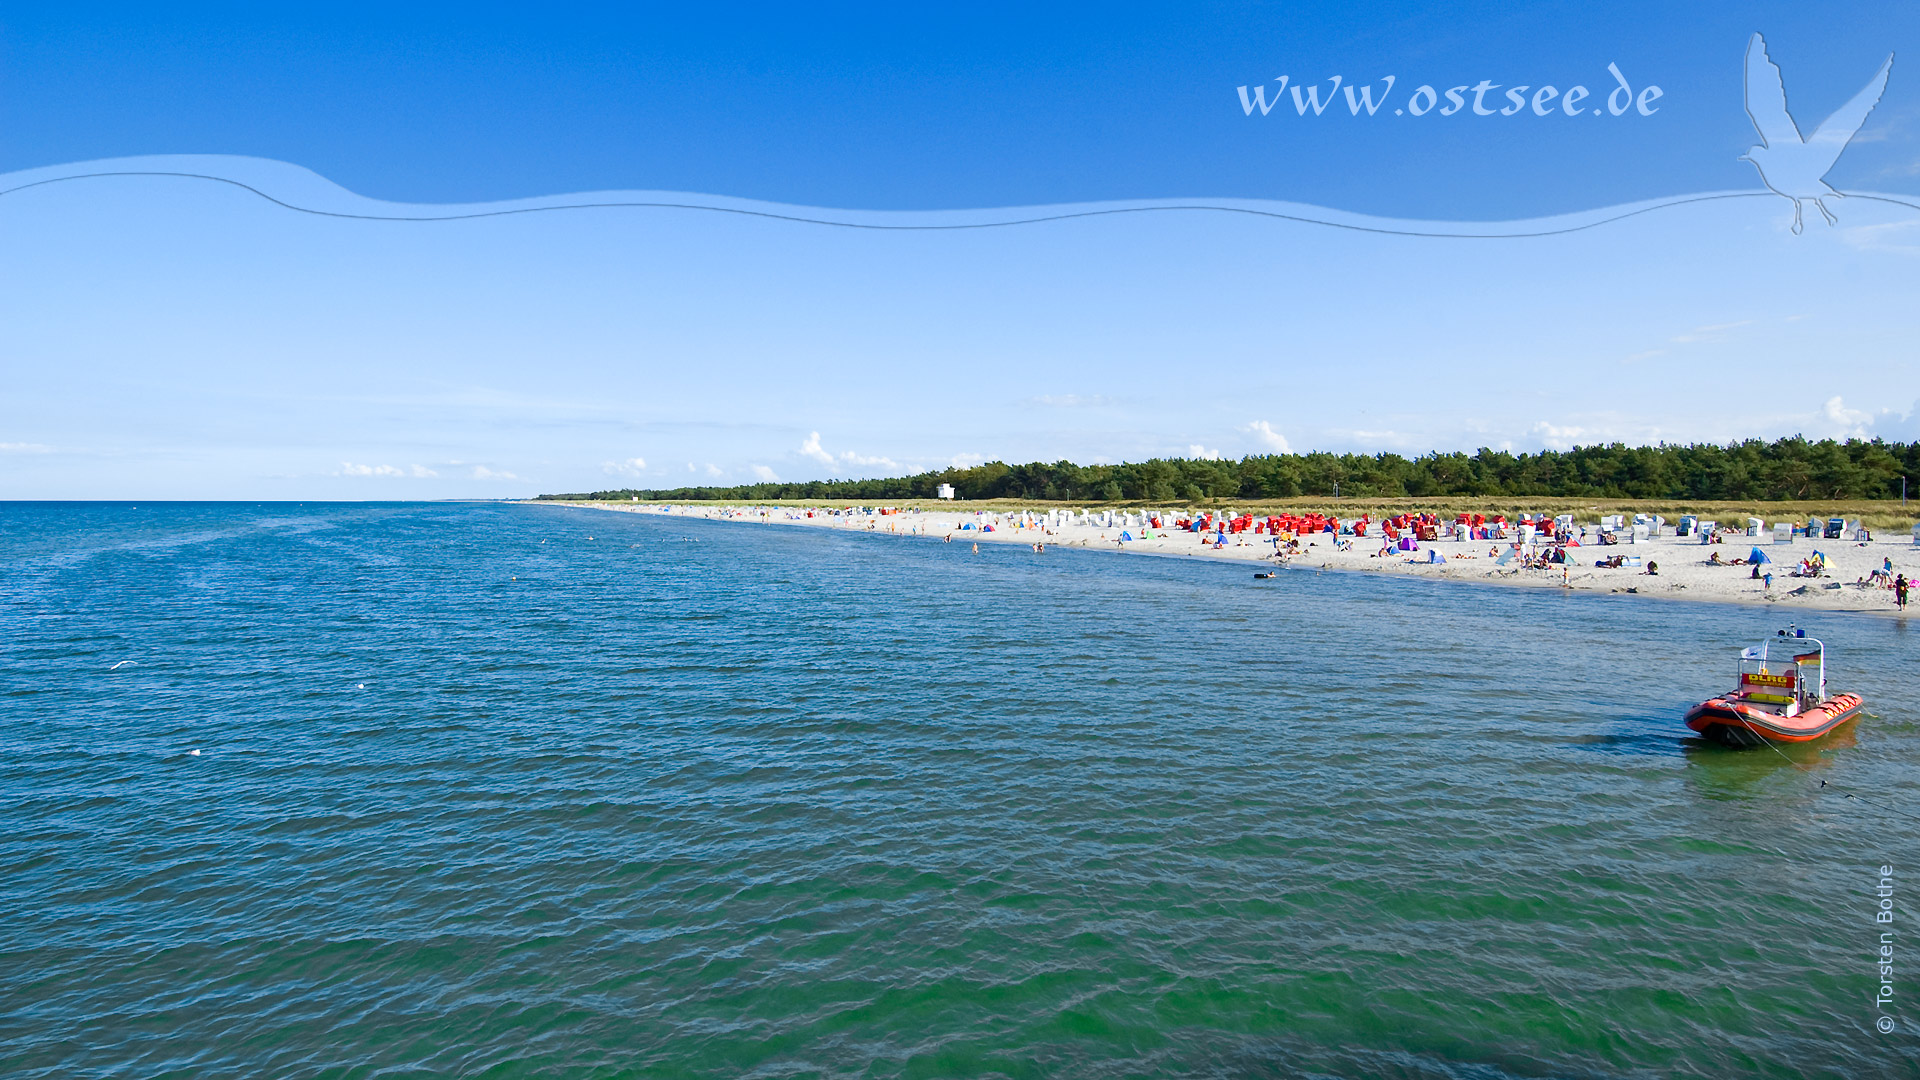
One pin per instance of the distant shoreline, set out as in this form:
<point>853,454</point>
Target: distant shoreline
<point>1684,572</point>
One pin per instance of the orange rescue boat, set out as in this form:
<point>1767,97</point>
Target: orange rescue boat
<point>1779,699</point>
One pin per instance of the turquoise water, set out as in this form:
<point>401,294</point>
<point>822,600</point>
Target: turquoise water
<point>529,791</point>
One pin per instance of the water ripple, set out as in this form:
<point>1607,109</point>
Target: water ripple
<point>475,794</point>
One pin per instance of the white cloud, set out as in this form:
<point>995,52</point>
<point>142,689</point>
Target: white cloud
<point>766,475</point>
<point>1073,401</point>
<point>24,448</point>
<point>714,470</point>
<point>1714,332</point>
<point>631,467</point>
<point>1707,334</point>
<point>1601,428</point>
<point>348,468</point>
<point>1268,438</point>
<point>1848,421</point>
<point>1900,427</point>
<point>1556,437</point>
<point>1898,236</point>
<point>1201,453</point>
<point>811,448</point>
<point>1389,438</point>
<point>481,472</point>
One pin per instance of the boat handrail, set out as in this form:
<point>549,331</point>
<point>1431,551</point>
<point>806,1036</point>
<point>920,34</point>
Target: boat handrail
<point>1807,651</point>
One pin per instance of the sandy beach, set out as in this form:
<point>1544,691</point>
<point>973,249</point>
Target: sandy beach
<point>1685,566</point>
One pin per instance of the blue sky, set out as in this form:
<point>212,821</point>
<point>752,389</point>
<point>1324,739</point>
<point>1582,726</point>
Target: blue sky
<point>169,338</point>
<point>938,106</point>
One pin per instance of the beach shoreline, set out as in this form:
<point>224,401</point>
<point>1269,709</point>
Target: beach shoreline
<point>1685,571</point>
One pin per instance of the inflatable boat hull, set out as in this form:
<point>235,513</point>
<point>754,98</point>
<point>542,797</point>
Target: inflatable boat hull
<point>1737,723</point>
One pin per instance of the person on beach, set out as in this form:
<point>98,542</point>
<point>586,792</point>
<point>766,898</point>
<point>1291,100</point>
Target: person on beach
<point>1900,592</point>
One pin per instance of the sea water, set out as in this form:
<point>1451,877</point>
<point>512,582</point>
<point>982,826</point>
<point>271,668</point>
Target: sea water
<point>440,790</point>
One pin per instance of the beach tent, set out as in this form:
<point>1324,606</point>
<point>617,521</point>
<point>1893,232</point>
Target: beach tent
<point>1434,556</point>
<point>1756,557</point>
<point>1505,557</point>
<point>1126,536</point>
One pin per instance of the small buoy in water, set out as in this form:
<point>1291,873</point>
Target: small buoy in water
<point>361,686</point>
<point>193,753</point>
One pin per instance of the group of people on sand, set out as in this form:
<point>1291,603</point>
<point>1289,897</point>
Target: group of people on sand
<point>1884,577</point>
<point>1814,565</point>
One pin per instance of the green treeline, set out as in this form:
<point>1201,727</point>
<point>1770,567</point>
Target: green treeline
<point>1784,470</point>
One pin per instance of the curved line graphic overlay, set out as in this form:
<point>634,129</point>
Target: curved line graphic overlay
<point>954,227</point>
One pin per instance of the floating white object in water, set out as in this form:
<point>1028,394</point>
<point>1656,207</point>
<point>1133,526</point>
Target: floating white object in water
<point>360,686</point>
<point>193,753</point>
<point>122,663</point>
